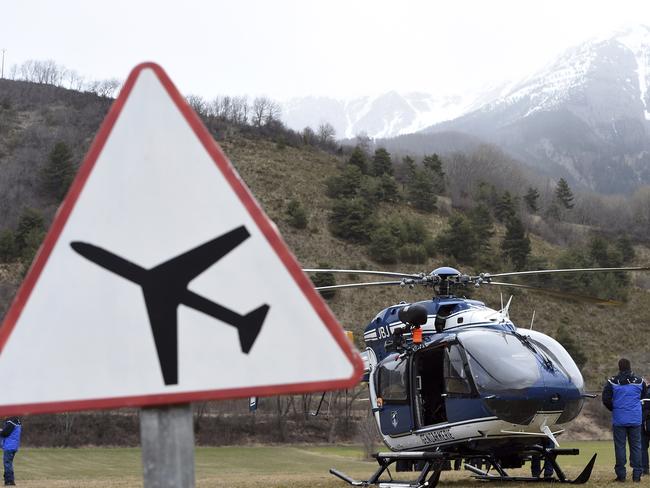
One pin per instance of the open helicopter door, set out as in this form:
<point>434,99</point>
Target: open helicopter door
<point>393,395</point>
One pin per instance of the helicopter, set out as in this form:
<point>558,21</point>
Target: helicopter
<point>452,380</point>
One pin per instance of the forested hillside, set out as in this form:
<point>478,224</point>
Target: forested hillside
<point>361,207</point>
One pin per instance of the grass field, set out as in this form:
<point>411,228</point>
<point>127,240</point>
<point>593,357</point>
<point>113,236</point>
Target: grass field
<point>304,466</point>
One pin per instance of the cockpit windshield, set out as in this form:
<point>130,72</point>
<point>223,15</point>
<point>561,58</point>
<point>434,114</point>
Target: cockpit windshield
<point>561,358</point>
<point>499,361</point>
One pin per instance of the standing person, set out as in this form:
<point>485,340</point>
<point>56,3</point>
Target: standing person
<point>10,435</point>
<point>645,432</point>
<point>622,396</point>
<point>536,463</point>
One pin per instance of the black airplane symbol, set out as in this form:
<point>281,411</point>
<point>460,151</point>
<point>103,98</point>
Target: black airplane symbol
<point>165,288</point>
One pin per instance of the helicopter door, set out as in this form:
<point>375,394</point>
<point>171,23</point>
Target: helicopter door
<point>430,391</point>
<point>393,389</point>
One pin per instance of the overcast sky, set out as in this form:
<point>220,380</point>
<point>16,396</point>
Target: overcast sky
<point>295,48</point>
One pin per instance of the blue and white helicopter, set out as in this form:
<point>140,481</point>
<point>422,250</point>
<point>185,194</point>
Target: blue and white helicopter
<point>453,381</point>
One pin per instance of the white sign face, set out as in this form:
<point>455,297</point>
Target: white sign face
<point>162,281</point>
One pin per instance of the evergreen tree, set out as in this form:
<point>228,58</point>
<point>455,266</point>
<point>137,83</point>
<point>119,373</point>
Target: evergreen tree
<point>482,225</point>
<point>345,185</point>
<point>359,159</point>
<point>59,171</point>
<point>599,253</point>
<point>458,240</point>
<point>7,246</point>
<point>324,279</point>
<point>531,197</point>
<point>351,219</point>
<point>433,165</point>
<point>30,220</point>
<point>420,192</point>
<point>384,246</point>
<point>563,194</point>
<point>381,163</point>
<point>388,189</point>
<point>408,169</point>
<point>506,208</point>
<point>516,244</point>
<point>624,246</point>
<point>296,215</point>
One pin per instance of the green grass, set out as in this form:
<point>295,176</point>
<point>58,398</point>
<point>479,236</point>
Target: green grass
<point>268,466</point>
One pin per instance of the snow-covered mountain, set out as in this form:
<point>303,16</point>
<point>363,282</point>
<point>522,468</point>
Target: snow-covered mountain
<point>585,116</point>
<point>386,115</point>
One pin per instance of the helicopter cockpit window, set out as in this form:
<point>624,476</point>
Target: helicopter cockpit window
<point>561,358</point>
<point>393,380</point>
<point>456,377</point>
<point>499,361</point>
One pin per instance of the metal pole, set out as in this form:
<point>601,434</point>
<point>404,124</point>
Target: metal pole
<point>167,438</point>
<point>2,72</point>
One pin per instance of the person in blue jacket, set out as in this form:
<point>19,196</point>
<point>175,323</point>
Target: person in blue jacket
<point>10,435</point>
<point>622,396</point>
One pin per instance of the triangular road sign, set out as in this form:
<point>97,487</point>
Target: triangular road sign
<point>161,280</point>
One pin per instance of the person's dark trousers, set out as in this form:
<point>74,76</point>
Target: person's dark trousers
<point>633,436</point>
<point>8,460</point>
<point>536,469</point>
<point>645,443</point>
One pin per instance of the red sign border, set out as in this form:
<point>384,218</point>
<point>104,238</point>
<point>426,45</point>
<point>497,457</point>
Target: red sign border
<point>263,222</point>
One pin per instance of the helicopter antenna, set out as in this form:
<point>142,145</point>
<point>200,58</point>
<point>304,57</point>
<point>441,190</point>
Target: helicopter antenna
<point>547,431</point>
<point>505,311</point>
<point>532,319</point>
<point>501,295</point>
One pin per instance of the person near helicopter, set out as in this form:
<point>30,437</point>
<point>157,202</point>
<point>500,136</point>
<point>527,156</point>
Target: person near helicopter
<point>10,437</point>
<point>536,463</point>
<point>645,432</point>
<point>622,396</point>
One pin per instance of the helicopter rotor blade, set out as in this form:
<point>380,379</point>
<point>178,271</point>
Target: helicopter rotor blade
<point>574,270</point>
<point>361,271</point>
<point>560,294</point>
<point>358,285</point>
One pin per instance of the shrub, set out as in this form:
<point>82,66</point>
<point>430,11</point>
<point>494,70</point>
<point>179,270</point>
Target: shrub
<point>384,246</point>
<point>413,253</point>
<point>297,215</point>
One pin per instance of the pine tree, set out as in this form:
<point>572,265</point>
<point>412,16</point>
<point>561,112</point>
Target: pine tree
<point>359,159</point>
<point>505,208</point>
<point>420,192</point>
<point>345,185</point>
<point>458,240</point>
<point>624,246</point>
<point>381,163</point>
<point>7,246</point>
<point>482,225</point>
<point>409,168</point>
<point>351,219</point>
<point>433,164</point>
<point>59,171</point>
<point>324,279</point>
<point>563,194</point>
<point>384,246</point>
<point>30,220</point>
<point>516,244</point>
<point>531,197</point>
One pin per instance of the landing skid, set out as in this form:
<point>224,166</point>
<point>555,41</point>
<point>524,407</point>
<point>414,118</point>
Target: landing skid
<point>548,455</point>
<point>433,463</point>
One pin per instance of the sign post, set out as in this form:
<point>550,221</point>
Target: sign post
<point>167,438</point>
<point>162,282</point>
